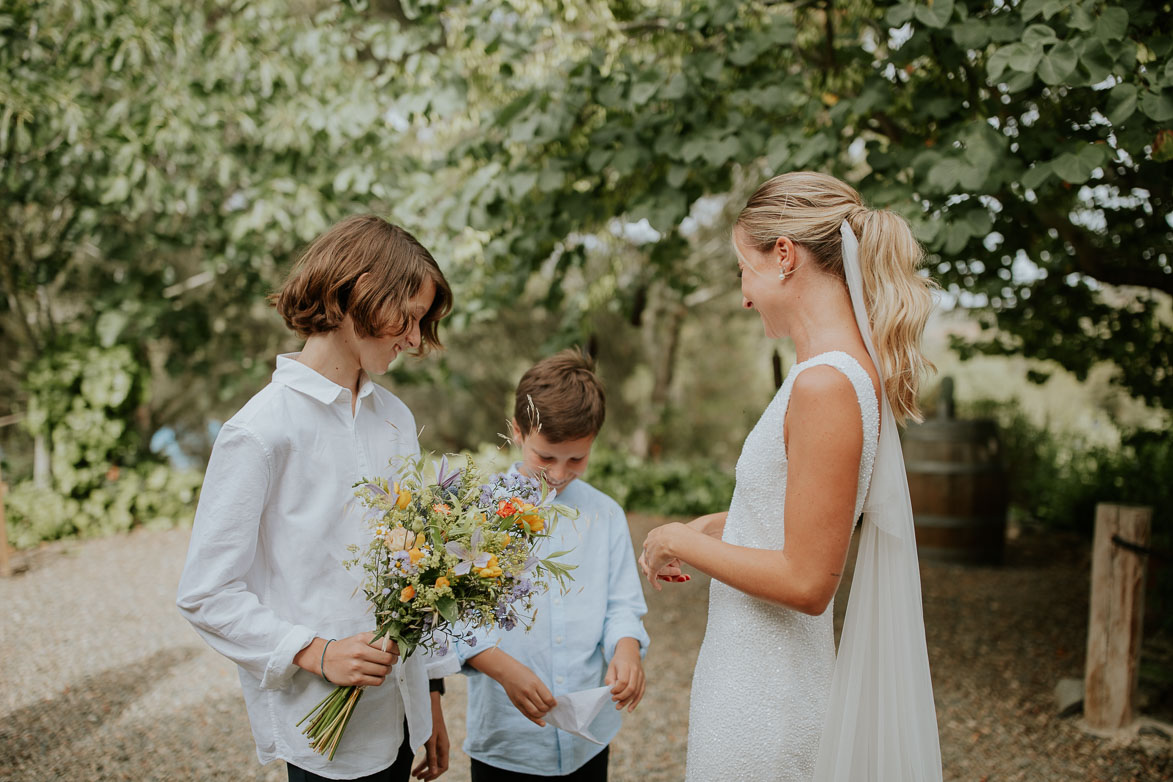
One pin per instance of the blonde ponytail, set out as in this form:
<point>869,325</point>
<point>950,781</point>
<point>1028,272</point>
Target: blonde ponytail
<point>809,207</point>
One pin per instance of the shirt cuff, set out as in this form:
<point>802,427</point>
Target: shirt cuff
<point>280,668</point>
<point>615,633</point>
<point>443,665</point>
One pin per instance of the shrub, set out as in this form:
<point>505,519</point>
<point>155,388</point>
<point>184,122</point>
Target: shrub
<point>669,488</point>
<point>151,495</point>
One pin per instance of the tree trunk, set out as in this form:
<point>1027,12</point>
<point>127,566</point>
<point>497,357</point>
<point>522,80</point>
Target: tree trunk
<point>42,472</point>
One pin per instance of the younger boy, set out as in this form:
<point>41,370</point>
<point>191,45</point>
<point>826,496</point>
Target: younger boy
<point>590,636</point>
<point>264,583</point>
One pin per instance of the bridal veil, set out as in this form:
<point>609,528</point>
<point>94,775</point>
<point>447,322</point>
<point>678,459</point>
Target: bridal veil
<point>881,721</point>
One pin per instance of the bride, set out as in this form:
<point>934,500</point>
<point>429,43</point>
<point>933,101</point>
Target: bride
<point>770,698</point>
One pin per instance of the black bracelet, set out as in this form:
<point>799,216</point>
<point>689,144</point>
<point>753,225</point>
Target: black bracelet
<point>436,685</point>
<point>323,665</point>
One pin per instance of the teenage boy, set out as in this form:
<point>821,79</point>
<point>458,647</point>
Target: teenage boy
<point>590,636</point>
<point>264,582</point>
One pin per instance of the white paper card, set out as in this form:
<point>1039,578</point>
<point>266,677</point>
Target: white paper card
<point>577,710</point>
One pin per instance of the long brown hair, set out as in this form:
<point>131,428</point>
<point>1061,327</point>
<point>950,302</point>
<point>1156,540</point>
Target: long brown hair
<point>809,207</point>
<point>327,283</point>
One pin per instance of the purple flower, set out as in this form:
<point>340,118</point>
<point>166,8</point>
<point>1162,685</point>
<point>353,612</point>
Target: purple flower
<point>471,640</point>
<point>375,489</point>
<point>444,479</point>
<point>469,558</point>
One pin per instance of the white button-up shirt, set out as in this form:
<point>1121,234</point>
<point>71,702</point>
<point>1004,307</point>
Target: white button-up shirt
<point>264,572</point>
<point>569,644</point>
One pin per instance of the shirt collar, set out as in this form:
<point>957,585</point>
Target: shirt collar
<point>291,372</point>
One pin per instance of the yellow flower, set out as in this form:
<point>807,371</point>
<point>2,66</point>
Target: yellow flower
<point>416,555</point>
<point>420,539</point>
<point>402,497</point>
<point>535,522</point>
<point>491,568</point>
<point>407,594</point>
<point>441,582</point>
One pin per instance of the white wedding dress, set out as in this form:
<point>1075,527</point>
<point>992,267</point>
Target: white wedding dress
<point>763,678</point>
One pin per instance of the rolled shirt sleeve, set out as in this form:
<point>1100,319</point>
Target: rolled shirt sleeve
<point>625,597</point>
<point>213,593</point>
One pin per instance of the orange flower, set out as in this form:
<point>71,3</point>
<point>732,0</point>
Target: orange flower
<point>505,509</point>
<point>441,508</point>
<point>441,582</point>
<point>416,555</point>
<point>407,594</point>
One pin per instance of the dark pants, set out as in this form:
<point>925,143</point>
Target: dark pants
<point>595,770</point>
<point>399,771</point>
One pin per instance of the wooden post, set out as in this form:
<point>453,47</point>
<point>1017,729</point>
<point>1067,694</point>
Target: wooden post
<point>1115,613</point>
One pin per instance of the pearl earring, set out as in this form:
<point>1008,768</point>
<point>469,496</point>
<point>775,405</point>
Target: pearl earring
<point>782,274</point>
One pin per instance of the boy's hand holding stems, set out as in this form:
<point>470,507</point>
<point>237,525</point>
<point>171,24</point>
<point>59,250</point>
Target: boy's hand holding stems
<point>352,661</point>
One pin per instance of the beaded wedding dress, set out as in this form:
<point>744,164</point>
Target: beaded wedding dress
<point>764,676</point>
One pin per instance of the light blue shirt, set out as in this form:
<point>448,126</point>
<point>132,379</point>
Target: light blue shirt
<point>569,644</point>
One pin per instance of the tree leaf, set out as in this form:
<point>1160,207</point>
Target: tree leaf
<point>971,34</point>
<point>1025,58</point>
<point>676,88</point>
<point>1112,24</point>
<point>1038,35</point>
<point>1073,167</point>
<point>1094,60</point>
<point>1058,63</point>
<point>1032,8</point>
<point>1052,7</point>
<point>1121,103</point>
<point>642,92</point>
<point>1157,104</point>
<point>899,15</point>
<point>997,63</point>
<point>1037,174</point>
<point>935,13</point>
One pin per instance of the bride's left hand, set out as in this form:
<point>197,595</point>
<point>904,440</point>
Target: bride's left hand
<point>657,560</point>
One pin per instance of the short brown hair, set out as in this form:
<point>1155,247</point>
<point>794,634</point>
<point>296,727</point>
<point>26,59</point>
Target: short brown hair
<point>325,286</point>
<point>561,397</point>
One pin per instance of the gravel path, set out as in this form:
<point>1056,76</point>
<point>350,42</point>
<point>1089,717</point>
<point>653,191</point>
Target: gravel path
<point>103,680</point>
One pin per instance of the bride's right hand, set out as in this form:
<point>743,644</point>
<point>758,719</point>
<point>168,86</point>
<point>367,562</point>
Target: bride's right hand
<point>671,572</point>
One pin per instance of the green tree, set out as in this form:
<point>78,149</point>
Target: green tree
<point>160,165</point>
<point>1027,142</point>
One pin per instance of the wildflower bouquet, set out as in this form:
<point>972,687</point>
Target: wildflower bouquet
<point>444,558</point>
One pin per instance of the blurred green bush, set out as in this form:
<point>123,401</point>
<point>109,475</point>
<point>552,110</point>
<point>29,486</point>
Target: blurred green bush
<point>1057,478</point>
<point>152,496</point>
<point>672,487</point>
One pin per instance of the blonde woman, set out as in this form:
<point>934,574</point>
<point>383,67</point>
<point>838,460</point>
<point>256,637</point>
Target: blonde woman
<point>770,698</point>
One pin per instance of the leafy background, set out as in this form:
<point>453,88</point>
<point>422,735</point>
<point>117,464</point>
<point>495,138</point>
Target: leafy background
<point>575,167</point>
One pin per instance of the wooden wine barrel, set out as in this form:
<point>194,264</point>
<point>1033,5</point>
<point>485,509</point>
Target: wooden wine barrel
<point>957,484</point>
